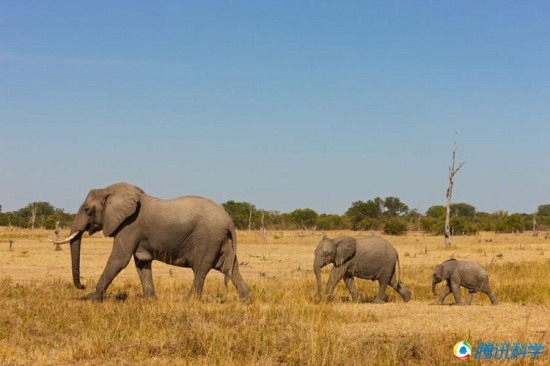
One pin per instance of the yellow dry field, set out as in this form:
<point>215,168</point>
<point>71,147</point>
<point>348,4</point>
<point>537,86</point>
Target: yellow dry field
<point>42,320</point>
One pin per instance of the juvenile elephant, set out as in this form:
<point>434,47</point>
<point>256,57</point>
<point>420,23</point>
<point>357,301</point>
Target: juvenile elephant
<point>371,258</point>
<point>186,232</point>
<point>462,273</point>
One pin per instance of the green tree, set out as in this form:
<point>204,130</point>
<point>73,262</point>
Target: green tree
<point>509,223</point>
<point>463,210</point>
<point>484,221</point>
<point>242,213</point>
<point>43,209</point>
<point>433,225</point>
<point>46,216</point>
<point>331,222</point>
<point>303,218</point>
<point>395,226</point>
<point>462,221</point>
<point>394,207</point>
<point>436,212</point>
<point>543,210</point>
<point>462,226</point>
<point>360,211</point>
<point>273,219</point>
<point>413,218</point>
<point>4,219</point>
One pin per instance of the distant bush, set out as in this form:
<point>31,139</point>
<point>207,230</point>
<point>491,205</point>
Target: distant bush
<point>46,216</point>
<point>395,227</point>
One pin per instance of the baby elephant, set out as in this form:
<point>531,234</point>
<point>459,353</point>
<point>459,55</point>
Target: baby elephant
<point>370,258</point>
<point>462,273</point>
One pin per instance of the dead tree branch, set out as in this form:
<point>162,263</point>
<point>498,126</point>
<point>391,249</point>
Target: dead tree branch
<point>452,173</point>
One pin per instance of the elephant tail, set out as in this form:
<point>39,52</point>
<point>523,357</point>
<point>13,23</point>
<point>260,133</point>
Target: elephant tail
<point>228,255</point>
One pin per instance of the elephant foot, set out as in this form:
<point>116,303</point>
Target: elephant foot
<point>92,296</point>
<point>406,295</point>
<point>379,301</point>
<point>248,299</point>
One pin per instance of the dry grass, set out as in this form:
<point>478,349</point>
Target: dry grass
<point>43,322</point>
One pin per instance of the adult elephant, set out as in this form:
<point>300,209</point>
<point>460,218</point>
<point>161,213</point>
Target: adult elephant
<point>188,231</point>
<point>371,258</point>
<point>468,274</point>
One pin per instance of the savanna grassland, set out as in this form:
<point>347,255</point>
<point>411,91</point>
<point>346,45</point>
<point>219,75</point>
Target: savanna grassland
<point>43,322</point>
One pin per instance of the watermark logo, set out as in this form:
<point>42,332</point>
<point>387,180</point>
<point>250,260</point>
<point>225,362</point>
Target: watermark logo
<point>508,351</point>
<point>498,351</point>
<point>462,350</point>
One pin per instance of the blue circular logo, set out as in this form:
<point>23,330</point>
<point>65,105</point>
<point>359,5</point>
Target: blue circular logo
<point>462,350</point>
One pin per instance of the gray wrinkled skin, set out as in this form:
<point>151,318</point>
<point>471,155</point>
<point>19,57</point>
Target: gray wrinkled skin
<point>370,258</point>
<point>188,231</point>
<point>470,275</point>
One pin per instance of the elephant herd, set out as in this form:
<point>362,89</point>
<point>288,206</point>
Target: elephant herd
<point>375,259</point>
<point>197,233</point>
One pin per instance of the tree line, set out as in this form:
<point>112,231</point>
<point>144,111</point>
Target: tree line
<point>37,214</point>
<point>389,215</point>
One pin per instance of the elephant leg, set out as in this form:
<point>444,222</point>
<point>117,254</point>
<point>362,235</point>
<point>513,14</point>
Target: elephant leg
<point>446,291</point>
<point>455,288</point>
<point>198,282</point>
<point>350,284</point>
<point>493,298</point>
<point>402,291</point>
<point>381,297</point>
<point>118,260</point>
<point>470,297</point>
<point>487,289</point>
<point>336,275</point>
<point>146,276</point>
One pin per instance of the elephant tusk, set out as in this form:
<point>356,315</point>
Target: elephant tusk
<point>64,241</point>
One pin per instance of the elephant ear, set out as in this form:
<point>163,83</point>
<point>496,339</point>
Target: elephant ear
<point>438,272</point>
<point>121,202</point>
<point>448,268</point>
<point>345,249</point>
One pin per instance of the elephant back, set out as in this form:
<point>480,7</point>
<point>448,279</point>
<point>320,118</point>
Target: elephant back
<point>375,258</point>
<point>188,214</point>
<point>196,206</point>
<point>376,247</point>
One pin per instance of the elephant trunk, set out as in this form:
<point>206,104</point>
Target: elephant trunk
<point>79,225</point>
<point>317,265</point>
<point>75,260</point>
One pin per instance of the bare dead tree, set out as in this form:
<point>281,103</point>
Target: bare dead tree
<point>56,232</point>
<point>33,216</point>
<point>452,172</point>
<point>249,217</point>
<point>263,230</point>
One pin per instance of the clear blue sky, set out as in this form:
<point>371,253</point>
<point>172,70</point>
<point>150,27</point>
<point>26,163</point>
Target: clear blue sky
<point>284,104</point>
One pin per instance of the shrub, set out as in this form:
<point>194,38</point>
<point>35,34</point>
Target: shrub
<point>395,227</point>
